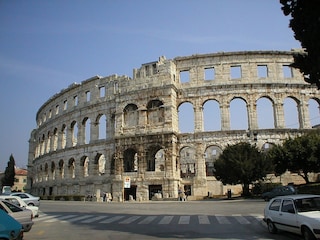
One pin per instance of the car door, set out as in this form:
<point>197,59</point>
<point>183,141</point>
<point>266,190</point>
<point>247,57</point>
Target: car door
<point>288,216</point>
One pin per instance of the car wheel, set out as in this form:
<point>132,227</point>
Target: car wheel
<point>30,204</point>
<point>307,234</point>
<point>271,227</point>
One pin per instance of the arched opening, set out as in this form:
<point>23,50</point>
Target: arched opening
<point>102,126</point>
<point>314,112</point>
<point>186,118</point>
<point>187,162</point>
<point>130,160</point>
<point>130,113</point>
<point>291,115</point>
<point>211,116</point>
<point>238,114</point>
<point>155,112</point>
<point>265,113</point>
<point>212,153</point>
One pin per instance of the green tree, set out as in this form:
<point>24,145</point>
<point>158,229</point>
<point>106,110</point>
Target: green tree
<point>243,164</point>
<point>9,173</point>
<point>299,155</point>
<point>305,23</point>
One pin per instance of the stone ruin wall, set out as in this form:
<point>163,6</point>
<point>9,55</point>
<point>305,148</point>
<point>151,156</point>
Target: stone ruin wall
<point>139,119</point>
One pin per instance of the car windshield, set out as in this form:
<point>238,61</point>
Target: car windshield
<point>308,204</point>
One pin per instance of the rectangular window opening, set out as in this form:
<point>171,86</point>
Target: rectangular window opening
<point>88,96</point>
<point>57,109</point>
<point>287,71</point>
<point>262,71</point>
<point>102,91</point>
<point>184,76</point>
<point>235,72</point>
<point>209,73</point>
<point>75,100</point>
<point>65,105</point>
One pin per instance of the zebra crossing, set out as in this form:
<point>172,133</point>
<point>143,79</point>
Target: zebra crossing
<point>153,219</point>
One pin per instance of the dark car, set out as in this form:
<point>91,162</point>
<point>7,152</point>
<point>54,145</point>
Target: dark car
<point>279,191</point>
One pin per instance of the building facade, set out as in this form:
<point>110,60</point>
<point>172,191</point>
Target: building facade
<point>121,135</point>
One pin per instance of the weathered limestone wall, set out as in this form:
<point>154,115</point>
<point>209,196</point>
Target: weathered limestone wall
<point>93,135</point>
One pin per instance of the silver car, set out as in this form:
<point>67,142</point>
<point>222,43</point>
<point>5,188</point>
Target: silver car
<point>23,216</point>
<point>28,198</point>
<point>299,214</point>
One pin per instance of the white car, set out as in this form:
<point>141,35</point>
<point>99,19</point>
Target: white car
<point>299,214</point>
<point>19,202</point>
<point>23,216</point>
<point>28,198</point>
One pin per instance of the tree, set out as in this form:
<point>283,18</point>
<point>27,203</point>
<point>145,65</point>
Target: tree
<point>299,155</point>
<point>9,173</point>
<point>243,164</point>
<point>305,23</point>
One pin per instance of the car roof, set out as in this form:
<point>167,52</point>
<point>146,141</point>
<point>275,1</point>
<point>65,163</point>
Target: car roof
<point>297,196</point>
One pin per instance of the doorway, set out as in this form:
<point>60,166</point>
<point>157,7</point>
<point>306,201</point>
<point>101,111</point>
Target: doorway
<point>154,189</point>
<point>130,191</point>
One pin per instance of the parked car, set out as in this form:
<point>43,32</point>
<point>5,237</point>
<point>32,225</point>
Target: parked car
<point>23,216</point>
<point>279,191</point>
<point>28,198</point>
<point>299,214</point>
<point>6,190</point>
<point>19,202</point>
<point>10,228</point>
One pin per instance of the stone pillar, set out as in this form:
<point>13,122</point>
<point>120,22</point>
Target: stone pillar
<point>110,126</point>
<point>225,116</point>
<point>252,116</point>
<point>304,115</point>
<point>200,161</point>
<point>69,137</point>
<point>81,134</point>
<point>198,118</point>
<point>278,115</point>
<point>94,131</point>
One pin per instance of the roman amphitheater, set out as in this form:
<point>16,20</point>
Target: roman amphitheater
<point>123,135</point>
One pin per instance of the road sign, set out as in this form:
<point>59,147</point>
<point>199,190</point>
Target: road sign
<point>127,182</point>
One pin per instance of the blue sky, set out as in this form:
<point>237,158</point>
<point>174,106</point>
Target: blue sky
<point>47,45</point>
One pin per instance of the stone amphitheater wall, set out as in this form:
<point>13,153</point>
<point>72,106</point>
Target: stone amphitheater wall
<point>98,135</point>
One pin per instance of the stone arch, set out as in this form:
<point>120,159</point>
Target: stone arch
<point>61,169</point>
<point>72,168</point>
<point>267,146</point>
<point>63,136</point>
<point>212,153</point>
<point>187,162</point>
<point>74,133</point>
<point>84,164</point>
<point>100,164</point>
<point>130,160</point>
<point>48,143</point>
<point>186,117</point>
<point>153,158</point>
<point>86,124</point>
<point>130,115</point>
<point>53,170</point>
<point>211,115</point>
<point>314,111</point>
<point>46,171</point>
<point>238,110</point>
<point>55,139</point>
<point>155,112</point>
<point>265,113</point>
<point>43,141</point>
<point>102,123</point>
<point>291,112</point>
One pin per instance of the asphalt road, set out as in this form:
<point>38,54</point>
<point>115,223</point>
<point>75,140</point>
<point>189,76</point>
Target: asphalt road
<point>221,219</point>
